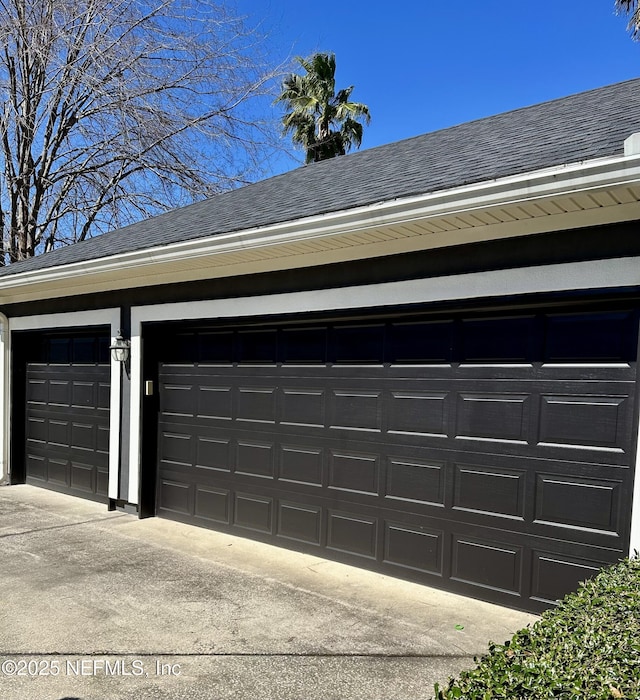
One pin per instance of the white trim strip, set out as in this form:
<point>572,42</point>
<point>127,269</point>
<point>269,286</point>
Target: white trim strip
<point>86,319</point>
<point>5,401</point>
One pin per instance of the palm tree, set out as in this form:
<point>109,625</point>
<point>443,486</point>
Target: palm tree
<point>631,8</point>
<point>323,122</point>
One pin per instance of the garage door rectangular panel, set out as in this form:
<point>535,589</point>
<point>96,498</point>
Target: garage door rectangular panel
<point>354,472</point>
<point>58,433</point>
<point>215,347</point>
<point>599,337</point>
<point>36,467</point>
<point>257,346</point>
<point>59,393</point>
<point>215,402</point>
<point>499,492</point>
<point>418,413</point>
<point>304,407</point>
<point>499,340</point>
<point>177,400</point>
<point>416,482</point>
<point>356,410</point>
<point>430,342</point>
<point>102,440</point>
<point>213,504</point>
<point>102,482</point>
<point>587,420</point>
<point>37,391</point>
<point>104,397</point>
<point>58,471</point>
<point>81,477</point>
<point>257,404</point>
<point>359,344</point>
<point>213,454</point>
<point>60,350</point>
<point>37,429</point>
<point>83,395</point>
<point>487,564</point>
<point>255,459</point>
<point>412,548</point>
<point>355,535</point>
<point>576,502</point>
<point>253,512</point>
<point>300,522</point>
<point>177,447</point>
<point>83,435</point>
<point>493,417</point>
<point>304,345</point>
<point>301,465</point>
<point>175,496</point>
<point>554,575</point>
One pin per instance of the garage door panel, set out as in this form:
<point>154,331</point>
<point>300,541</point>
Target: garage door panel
<point>253,512</point>
<point>487,563</point>
<point>58,471</point>
<point>481,454</point>
<point>215,402</point>
<point>418,412</point>
<point>82,477</point>
<point>256,404</point>
<point>499,340</point>
<point>420,549</point>
<point>354,472</point>
<point>585,420</point>
<point>300,522</point>
<point>37,391</point>
<point>499,492</point>
<point>494,417</point>
<point>415,481</point>
<point>554,574</point>
<point>213,504</point>
<point>255,459</point>
<point>608,337</point>
<point>305,407</point>
<point>578,502</point>
<point>352,534</point>
<point>300,464</point>
<point>213,453</point>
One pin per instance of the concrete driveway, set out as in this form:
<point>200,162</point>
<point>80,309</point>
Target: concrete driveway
<point>97,605</point>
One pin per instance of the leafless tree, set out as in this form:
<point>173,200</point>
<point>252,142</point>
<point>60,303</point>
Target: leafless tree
<point>113,110</point>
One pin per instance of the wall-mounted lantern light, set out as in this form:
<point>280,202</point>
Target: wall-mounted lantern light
<point>120,349</point>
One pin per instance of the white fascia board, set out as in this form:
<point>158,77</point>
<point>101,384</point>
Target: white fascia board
<point>538,185</point>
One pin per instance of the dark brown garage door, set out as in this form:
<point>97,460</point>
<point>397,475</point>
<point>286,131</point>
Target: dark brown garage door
<point>488,455</point>
<point>67,414</point>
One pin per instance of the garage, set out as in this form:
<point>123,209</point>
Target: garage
<point>63,381</point>
<point>489,453</point>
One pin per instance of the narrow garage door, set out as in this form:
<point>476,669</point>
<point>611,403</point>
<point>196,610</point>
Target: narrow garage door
<point>488,455</point>
<point>67,380</point>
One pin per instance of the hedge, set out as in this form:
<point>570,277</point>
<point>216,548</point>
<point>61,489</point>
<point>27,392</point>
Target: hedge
<point>586,648</point>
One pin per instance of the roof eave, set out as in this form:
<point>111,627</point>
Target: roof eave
<point>594,192</point>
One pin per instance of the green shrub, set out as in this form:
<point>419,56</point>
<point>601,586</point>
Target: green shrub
<point>587,648</point>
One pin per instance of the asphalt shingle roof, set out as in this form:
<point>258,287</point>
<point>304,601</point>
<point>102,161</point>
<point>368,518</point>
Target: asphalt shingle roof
<point>581,127</point>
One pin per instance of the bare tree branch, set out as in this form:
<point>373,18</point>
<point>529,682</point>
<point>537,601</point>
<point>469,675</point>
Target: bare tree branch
<point>114,110</point>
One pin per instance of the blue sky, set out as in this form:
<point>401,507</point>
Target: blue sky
<point>422,65</point>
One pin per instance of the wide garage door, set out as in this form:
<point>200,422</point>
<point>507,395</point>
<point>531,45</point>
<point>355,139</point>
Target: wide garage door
<point>66,397</point>
<point>488,454</point>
